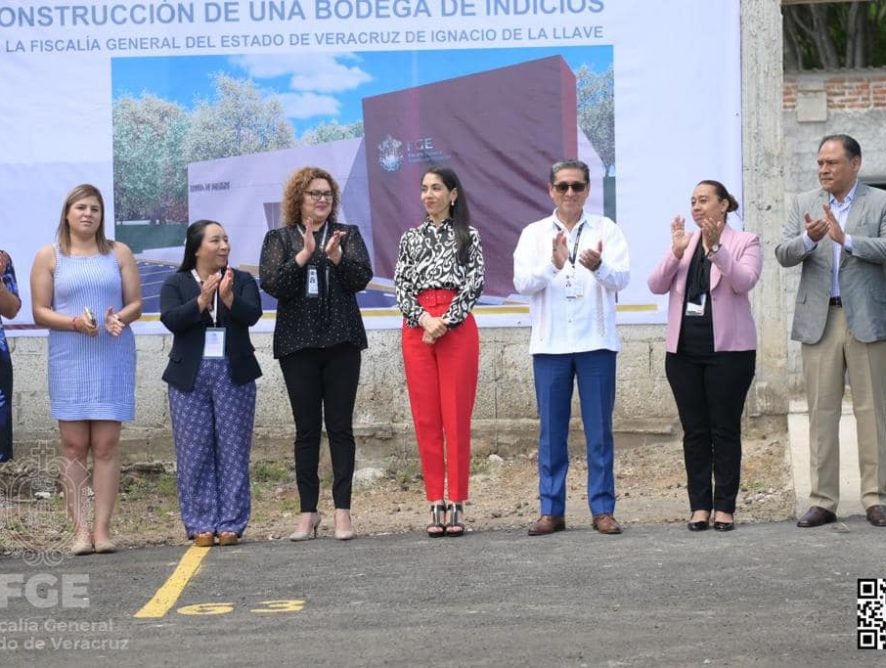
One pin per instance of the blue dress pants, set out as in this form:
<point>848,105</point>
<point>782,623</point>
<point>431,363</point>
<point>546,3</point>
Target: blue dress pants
<point>554,379</point>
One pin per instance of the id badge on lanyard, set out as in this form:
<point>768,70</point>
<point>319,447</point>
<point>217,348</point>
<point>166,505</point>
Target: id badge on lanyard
<point>214,340</point>
<point>696,310</point>
<point>574,288</point>
<point>214,345</point>
<point>312,285</point>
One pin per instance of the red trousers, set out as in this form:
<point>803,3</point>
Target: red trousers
<point>442,383</point>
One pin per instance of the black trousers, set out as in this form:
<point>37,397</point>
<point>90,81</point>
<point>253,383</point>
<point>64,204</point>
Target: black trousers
<point>710,392</point>
<point>5,406</point>
<point>322,382</point>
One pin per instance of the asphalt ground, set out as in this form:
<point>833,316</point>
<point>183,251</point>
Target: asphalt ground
<point>765,594</point>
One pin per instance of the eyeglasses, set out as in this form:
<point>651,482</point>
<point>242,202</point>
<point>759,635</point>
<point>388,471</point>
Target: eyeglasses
<point>317,195</point>
<point>562,187</point>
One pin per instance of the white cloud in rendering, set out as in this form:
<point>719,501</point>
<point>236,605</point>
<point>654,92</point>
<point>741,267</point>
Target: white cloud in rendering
<point>317,72</point>
<point>307,105</point>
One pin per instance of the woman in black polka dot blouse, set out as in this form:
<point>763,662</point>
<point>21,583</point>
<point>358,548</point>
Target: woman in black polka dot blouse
<point>315,266</point>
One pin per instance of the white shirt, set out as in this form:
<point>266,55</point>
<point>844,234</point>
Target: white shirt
<point>560,324</point>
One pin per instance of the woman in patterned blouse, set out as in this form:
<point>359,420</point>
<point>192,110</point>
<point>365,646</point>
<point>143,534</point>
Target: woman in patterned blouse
<point>438,279</point>
<point>9,306</point>
<point>315,266</point>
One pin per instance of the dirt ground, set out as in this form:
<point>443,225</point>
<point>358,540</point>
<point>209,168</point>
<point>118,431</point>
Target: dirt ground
<point>650,484</point>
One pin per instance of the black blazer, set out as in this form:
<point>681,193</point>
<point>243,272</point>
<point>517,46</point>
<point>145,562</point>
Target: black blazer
<point>181,315</point>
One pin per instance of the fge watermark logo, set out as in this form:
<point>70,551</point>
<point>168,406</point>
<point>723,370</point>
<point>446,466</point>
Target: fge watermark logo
<point>44,590</point>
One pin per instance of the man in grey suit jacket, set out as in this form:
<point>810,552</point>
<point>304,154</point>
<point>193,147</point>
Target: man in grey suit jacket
<point>838,235</point>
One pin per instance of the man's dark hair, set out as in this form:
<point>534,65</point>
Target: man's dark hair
<point>852,147</point>
<point>570,164</point>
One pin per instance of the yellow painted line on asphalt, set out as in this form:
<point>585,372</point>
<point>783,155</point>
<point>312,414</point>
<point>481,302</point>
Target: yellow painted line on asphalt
<point>168,594</point>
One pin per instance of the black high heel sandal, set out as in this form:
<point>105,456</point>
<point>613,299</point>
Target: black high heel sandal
<point>437,527</point>
<point>455,526</point>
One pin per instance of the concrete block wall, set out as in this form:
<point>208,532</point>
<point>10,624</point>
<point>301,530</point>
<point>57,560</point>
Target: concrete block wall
<point>504,417</point>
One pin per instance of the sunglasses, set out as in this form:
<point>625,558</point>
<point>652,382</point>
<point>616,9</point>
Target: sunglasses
<point>562,187</point>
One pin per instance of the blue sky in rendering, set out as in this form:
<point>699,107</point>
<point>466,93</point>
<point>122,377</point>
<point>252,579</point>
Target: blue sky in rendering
<point>321,87</point>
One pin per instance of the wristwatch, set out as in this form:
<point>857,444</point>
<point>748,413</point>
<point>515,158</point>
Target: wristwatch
<point>714,249</point>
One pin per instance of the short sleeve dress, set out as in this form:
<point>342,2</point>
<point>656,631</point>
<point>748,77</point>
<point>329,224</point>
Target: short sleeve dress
<point>90,378</point>
<point>8,279</point>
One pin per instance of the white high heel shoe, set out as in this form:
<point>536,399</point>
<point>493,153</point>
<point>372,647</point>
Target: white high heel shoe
<point>343,534</point>
<point>297,535</point>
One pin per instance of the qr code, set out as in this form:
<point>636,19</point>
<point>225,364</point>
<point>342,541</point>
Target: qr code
<point>872,613</point>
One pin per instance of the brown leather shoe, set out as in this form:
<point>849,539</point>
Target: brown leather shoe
<point>606,523</point>
<point>228,538</point>
<point>815,517</point>
<point>205,539</point>
<point>547,524</point>
<point>877,515</point>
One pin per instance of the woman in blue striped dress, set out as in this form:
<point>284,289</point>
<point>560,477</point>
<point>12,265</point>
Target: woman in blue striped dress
<point>85,290</point>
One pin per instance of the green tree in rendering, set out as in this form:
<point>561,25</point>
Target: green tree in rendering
<point>596,111</point>
<point>237,122</point>
<point>150,172</point>
<point>331,132</point>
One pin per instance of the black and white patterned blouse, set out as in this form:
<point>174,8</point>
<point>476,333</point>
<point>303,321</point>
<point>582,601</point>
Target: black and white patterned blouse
<point>332,318</point>
<point>427,260</point>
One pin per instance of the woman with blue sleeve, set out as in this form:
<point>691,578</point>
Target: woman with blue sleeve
<point>9,306</point>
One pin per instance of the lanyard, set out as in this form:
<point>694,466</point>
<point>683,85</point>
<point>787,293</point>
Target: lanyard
<point>323,240</point>
<point>213,307</point>
<point>581,228</point>
<point>322,244</point>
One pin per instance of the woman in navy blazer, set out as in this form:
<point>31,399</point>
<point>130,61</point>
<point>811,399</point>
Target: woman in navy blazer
<point>212,368</point>
<point>711,346</point>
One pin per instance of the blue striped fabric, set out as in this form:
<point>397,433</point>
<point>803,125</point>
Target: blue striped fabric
<point>90,378</point>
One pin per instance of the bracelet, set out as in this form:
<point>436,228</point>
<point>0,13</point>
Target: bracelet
<point>74,324</point>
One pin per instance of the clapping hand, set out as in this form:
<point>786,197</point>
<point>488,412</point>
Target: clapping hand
<point>835,232</point>
<point>711,231</point>
<point>816,229</point>
<point>333,246</point>
<point>226,287</point>
<point>310,244</point>
<point>592,258</point>
<point>207,291</point>
<point>679,238</point>
<point>560,251</point>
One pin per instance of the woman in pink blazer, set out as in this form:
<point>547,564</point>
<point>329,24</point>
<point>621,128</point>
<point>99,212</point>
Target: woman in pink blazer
<point>711,346</point>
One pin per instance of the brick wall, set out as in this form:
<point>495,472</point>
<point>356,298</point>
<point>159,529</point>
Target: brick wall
<point>845,92</point>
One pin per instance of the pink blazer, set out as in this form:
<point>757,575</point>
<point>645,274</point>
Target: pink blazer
<point>735,270</point>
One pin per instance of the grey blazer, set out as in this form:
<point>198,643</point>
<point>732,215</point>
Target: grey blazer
<point>862,273</point>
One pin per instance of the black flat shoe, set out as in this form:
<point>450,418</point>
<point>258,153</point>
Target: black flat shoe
<point>701,525</point>
<point>724,526</point>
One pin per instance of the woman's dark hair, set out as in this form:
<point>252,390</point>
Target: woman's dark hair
<point>722,193</point>
<point>459,212</point>
<point>193,241</point>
